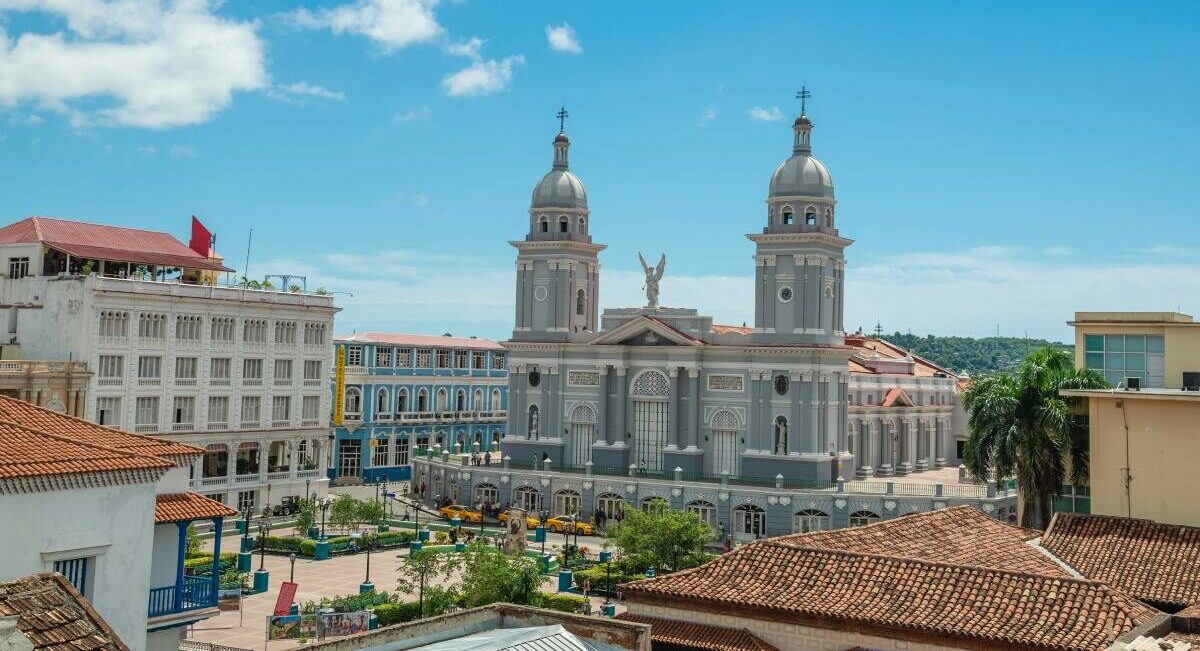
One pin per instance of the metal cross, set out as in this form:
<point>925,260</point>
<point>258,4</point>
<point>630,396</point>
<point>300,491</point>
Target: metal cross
<point>562,119</point>
<point>803,94</point>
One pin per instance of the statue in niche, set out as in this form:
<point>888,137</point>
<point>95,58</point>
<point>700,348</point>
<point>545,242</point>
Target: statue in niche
<point>781,431</point>
<point>533,422</point>
<point>653,275</point>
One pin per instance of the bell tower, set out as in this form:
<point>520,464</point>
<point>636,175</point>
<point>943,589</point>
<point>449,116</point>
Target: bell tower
<point>799,273</point>
<point>558,272</point>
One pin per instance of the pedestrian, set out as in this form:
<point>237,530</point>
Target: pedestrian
<point>487,459</point>
<point>422,489</point>
<point>587,586</point>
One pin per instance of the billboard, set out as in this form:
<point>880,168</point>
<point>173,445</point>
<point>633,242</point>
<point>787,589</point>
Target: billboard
<point>339,387</point>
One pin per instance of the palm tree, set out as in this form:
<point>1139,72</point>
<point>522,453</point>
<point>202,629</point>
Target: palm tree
<point>1019,425</point>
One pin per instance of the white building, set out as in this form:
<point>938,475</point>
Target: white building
<point>242,373</point>
<point>109,511</point>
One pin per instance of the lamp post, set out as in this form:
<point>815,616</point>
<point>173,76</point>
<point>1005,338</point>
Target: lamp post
<point>306,491</point>
<point>292,571</point>
<point>324,509</point>
<point>479,507</point>
<point>264,528</point>
<point>543,515</point>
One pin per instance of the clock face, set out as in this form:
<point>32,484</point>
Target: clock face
<point>540,293</point>
<point>785,294</point>
<point>535,378</point>
<point>781,384</point>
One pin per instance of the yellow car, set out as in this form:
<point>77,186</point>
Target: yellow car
<point>564,523</point>
<point>464,513</point>
<point>531,522</point>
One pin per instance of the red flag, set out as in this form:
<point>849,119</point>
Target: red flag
<point>201,238</point>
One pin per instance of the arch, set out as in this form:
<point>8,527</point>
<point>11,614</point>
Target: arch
<point>562,224</point>
<point>749,521</point>
<point>567,502</point>
<point>829,217</point>
<point>477,400</point>
<point>279,456</point>
<point>651,392</point>
<point>443,400</point>
<point>247,458</point>
<point>353,401</point>
<point>611,505</point>
<point>545,225</point>
<point>423,400</point>
<point>650,383</point>
<point>725,419</point>
<point>496,403</point>
<point>401,400</point>
<point>863,517</point>
<point>725,428</point>
<point>781,435</point>
<point>532,431</point>
<point>583,433</point>
<point>806,520</point>
<point>383,405</point>
<point>810,215</point>
<point>583,414</point>
<point>655,505</point>
<point>216,461</point>
<point>787,217</point>
<point>486,494</point>
<point>527,498</point>
<point>460,400</point>
<point>704,510</point>
<point>580,302</point>
<point>582,226</point>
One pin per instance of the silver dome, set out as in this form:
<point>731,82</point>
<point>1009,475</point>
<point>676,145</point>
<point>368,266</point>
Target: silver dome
<point>560,189</point>
<point>801,176</point>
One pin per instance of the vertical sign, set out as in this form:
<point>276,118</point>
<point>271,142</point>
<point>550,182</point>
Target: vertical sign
<point>339,387</point>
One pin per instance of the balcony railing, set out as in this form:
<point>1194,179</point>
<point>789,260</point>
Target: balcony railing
<point>282,474</point>
<point>245,479</point>
<point>197,593</point>
<point>308,473</point>
<point>219,382</point>
<point>218,425</point>
<point>185,382</point>
<point>183,427</point>
<point>110,381</point>
<point>145,429</point>
<point>214,481</point>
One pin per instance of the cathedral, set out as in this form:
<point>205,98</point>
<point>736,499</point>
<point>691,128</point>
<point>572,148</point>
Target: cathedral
<point>789,425</point>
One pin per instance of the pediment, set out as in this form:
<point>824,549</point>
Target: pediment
<point>644,331</point>
<point>897,397</point>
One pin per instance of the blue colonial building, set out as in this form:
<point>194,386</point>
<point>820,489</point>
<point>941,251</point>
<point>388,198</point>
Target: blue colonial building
<point>402,392</point>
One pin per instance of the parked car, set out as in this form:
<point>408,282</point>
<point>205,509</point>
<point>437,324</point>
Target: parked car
<point>465,513</point>
<point>289,505</point>
<point>563,523</point>
<point>531,522</point>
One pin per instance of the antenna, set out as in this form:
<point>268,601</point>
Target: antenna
<point>246,269</point>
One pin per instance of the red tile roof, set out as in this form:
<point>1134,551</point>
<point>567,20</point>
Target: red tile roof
<point>689,635</point>
<point>77,429</point>
<point>26,452</point>
<point>184,507</point>
<point>103,242</point>
<point>54,616</point>
<point>962,535</point>
<point>896,395</point>
<point>867,346</point>
<point>418,341</point>
<point>900,598</point>
<point>1157,563</point>
<point>718,329</point>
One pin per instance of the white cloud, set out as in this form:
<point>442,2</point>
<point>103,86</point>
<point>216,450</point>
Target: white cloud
<point>390,24</point>
<point>708,115</point>
<point>482,77</point>
<point>1059,250</point>
<point>145,63</point>
<point>422,113</point>
<point>418,199</point>
<point>563,38</point>
<point>761,114</point>
<point>468,48</point>
<point>303,89</point>
<point>1168,250</point>
<point>182,151</point>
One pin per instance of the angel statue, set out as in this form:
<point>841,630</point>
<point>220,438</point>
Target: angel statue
<point>653,275</point>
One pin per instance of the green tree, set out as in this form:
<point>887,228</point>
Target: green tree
<point>370,512</point>
<point>344,512</point>
<point>418,569</point>
<point>1019,425</point>
<point>306,516</point>
<point>490,577</point>
<point>192,543</point>
<point>663,539</point>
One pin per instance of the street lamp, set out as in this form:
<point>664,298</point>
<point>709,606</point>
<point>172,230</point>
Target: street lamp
<point>306,491</point>
<point>246,530</point>
<point>543,515</point>
<point>324,508</point>
<point>479,507</point>
<point>264,527</point>
<point>292,572</point>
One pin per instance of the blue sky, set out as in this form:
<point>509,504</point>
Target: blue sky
<point>998,164</point>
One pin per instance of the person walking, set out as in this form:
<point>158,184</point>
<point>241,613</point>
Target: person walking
<point>587,586</point>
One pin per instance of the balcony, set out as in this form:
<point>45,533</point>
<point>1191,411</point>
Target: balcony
<point>214,481</point>
<point>145,428</point>
<point>310,422</point>
<point>149,381</point>
<point>281,474</point>
<point>313,383</point>
<point>283,382</point>
<point>251,424</point>
<point>197,593</point>
<point>183,427</point>
<point>245,479</point>
<point>217,426</point>
<point>110,381</point>
<point>219,382</point>
<point>252,382</point>
<point>315,472</point>
<point>185,382</point>
<point>281,424</point>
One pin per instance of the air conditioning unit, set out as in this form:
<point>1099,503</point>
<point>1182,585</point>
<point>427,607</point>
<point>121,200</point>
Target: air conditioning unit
<point>1133,384</point>
<point>1191,380</point>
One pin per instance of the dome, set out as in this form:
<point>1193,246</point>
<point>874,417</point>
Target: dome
<point>801,176</point>
<point>560,189</point>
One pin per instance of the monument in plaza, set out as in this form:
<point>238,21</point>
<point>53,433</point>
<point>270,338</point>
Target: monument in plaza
<point>514,542</point>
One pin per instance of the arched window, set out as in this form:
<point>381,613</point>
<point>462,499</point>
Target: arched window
<point>611,504</point>
<point>807,520</point>
<point>724,442</point>
<point>486,494</point>
<point>567,502</point>
<point>582,226</point>
<point>443,400</point>
<point>705,511</point>
<point>460,400</point>
<point>383,406</point>
<point>477,402</point>
<point>781,434</point>
<point>583,433</point>
<point>496,404</point>
<point>787,217</point>
<point>655,505</point>
<point>423,401</point>
<point>829,217</point>
<point>810,216</point>
<point>651,396</point>
<point>402,401</point>
<point>353,401</point>
<point>749,521</point>
<point>860,518</point>
<point>534,424</point>
<point>562,224</point>
<point>528,498</point>
<point>580,302</point>
<point>545,225</point>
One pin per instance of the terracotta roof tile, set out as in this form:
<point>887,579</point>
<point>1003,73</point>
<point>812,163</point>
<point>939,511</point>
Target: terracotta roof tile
<point>827,588</point>
<point>1157,563</point>
<point>26,452</point>
<point>962,535</point>
<point>183,507</point>
<point>107,242</point>
<point>54,616</point>
<point>718,329</point>
<point>32,416</point>
<point>689,635</point>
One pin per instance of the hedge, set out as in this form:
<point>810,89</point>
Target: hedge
<point>562,602</point>
<point>337,544</point>
<point>600,578</point>
<point>201,565</point>
<point>389,614</point>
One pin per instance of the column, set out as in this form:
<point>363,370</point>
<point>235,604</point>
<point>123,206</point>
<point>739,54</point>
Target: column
<point>178,605</point>
<point>796,435</point>
<point>811,415</point>
<point>802,298</point>
<point>553,419</point>
<point>886,448</point>
<point>841,407</point>
<point>520,321</point>
<point>769,290</point>
<point>218,523</point>
<point>517,403</point>
<point>620,404</point>
<point>760,282</point>
<point>939,438</point>
<point>674,430</point>
<point>230,462</point>
<point>602,433</point>
<point>757,419</point>
<point>865,455</point>
<point>693,438</point>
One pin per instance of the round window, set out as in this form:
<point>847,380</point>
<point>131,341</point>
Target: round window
<point>535,378</point>
<point>540,292</point>
<point>785,294</point>
<point>781,384</point>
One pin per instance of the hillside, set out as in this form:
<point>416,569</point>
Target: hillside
<point>976,356</point>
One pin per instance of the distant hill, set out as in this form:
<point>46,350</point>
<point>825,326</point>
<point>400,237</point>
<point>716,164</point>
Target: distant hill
<point>976,356</point>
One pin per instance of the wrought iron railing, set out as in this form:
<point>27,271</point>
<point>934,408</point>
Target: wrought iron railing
<point>196,593</point>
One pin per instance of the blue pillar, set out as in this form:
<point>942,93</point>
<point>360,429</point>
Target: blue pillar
<point>178,605</point>
<point>216,571</point>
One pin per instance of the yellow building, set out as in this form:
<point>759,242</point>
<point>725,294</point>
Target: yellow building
<point>1145,432</point>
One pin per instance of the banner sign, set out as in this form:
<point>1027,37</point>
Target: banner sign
<point>292,627</point>
<point>345,623</point>
<point>339,387</point>
<point>287,594</point>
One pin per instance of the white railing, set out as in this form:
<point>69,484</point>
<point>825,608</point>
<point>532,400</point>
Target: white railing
<point>144,429</point>
<point>271,476</point>
<point>182,427</point>
<point>252,382</point>
<point>283,382</point>
<point>214,481</point>
<point>281,424</point>
<point>110,381</point>
<point>251,424</point>
<point>308,473</point>
<point>219,382</point>
<point>149,382</point>
<point>310,422</point>
<point>218,425</point>
<point>313,383</point>
<point>185,382</point>
<point>245,479</point>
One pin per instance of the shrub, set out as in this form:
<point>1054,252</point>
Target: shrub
<point>600,578</point>
<point>355,602</point>
<point>561,602</point>
<point>308,547</point>
<point>202,565</point>
<point>399,613</point>
<point>279,543</point>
